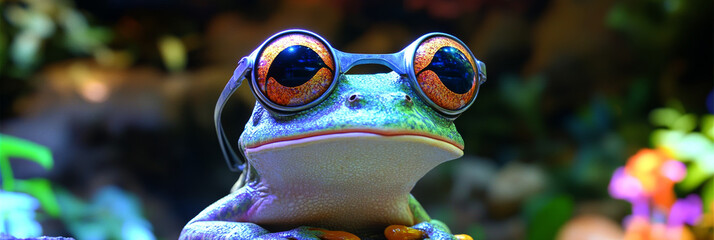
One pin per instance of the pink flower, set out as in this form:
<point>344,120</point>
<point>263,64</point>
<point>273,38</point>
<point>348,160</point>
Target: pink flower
<point>624,186</point>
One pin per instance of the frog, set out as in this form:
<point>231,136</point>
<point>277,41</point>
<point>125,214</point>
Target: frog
<point>341,169</point>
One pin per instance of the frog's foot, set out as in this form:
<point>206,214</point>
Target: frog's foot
<point>335,235</point>
<point>421,231</point>
<point>309,233</point>
<point>401,232</point>
<point>463,237</point>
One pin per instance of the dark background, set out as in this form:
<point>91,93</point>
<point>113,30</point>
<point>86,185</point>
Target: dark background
<point>570,87</point>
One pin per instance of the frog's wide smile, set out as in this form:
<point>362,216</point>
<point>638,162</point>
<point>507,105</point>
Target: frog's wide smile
<point>341,133</point>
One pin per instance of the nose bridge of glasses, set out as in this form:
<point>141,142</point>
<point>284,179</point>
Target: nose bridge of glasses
<point>394,61</point>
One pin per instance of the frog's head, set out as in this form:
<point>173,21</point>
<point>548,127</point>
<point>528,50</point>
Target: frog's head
<point>315,125</point>
<point>372,128</point>
<point>371,104</point>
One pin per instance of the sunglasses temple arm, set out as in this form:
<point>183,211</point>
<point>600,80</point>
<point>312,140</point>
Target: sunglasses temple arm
<point>234,161</point>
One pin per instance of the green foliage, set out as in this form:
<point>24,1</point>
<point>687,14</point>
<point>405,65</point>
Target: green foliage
<point>708,195</point>
<point>32,25</point>
<point>38,188</point>
<point>42,190</point>
<point>173,53</point>
<point>708,126</point>
<point>696,175</point>
<point>680,138</point>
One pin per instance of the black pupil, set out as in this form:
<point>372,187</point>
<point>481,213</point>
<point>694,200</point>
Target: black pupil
<point>453,68</point>
<point>295,65</point>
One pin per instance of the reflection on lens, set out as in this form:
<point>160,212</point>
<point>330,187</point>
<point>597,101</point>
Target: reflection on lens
<point>453,69</point>
<point>445,72</point>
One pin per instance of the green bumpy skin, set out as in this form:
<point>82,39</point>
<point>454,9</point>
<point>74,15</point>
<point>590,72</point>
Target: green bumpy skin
<point>379,107</point>
<point>384,104</point>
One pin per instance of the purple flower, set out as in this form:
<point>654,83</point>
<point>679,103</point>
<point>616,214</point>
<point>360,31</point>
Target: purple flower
<point>624,186</point>
<point>687,210</point>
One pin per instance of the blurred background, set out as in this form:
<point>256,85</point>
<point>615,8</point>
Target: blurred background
<point>121,93</point>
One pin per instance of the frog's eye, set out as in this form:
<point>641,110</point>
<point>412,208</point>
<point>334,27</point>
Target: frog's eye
<point>294,70</point>
<point>445,72</point>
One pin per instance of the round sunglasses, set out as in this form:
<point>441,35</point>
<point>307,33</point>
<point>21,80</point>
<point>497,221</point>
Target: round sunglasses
<point>294,70</point>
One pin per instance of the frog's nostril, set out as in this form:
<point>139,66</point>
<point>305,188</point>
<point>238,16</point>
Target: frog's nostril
<point>353,98</point>
<point>406,100</point>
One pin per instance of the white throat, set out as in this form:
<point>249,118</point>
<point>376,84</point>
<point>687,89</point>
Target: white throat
<point>318,180</point>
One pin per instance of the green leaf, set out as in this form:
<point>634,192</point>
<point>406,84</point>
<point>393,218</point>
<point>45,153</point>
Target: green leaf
<point>685,123</point>
<point>38,188</point>
<point>173,53</point>
<point>15,147</point>
<point>708,195</point>
<point>695,177</point>
<point>42,190</point>
<point>664,117</point>
<point>708,126</point>
<point>19,148</point>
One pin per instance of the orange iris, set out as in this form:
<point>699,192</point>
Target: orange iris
<point>275,90</point>
<point>431,83</point>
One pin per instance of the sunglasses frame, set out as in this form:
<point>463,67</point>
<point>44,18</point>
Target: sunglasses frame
<point>401,62</point>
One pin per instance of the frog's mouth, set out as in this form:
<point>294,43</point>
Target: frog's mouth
<point>336,133</point>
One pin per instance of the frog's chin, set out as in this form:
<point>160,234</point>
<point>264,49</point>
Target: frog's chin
<point>351,158</point>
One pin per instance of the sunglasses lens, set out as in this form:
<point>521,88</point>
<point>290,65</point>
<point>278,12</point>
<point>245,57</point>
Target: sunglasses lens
<point>294,70</point>
<point>446,72</point>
